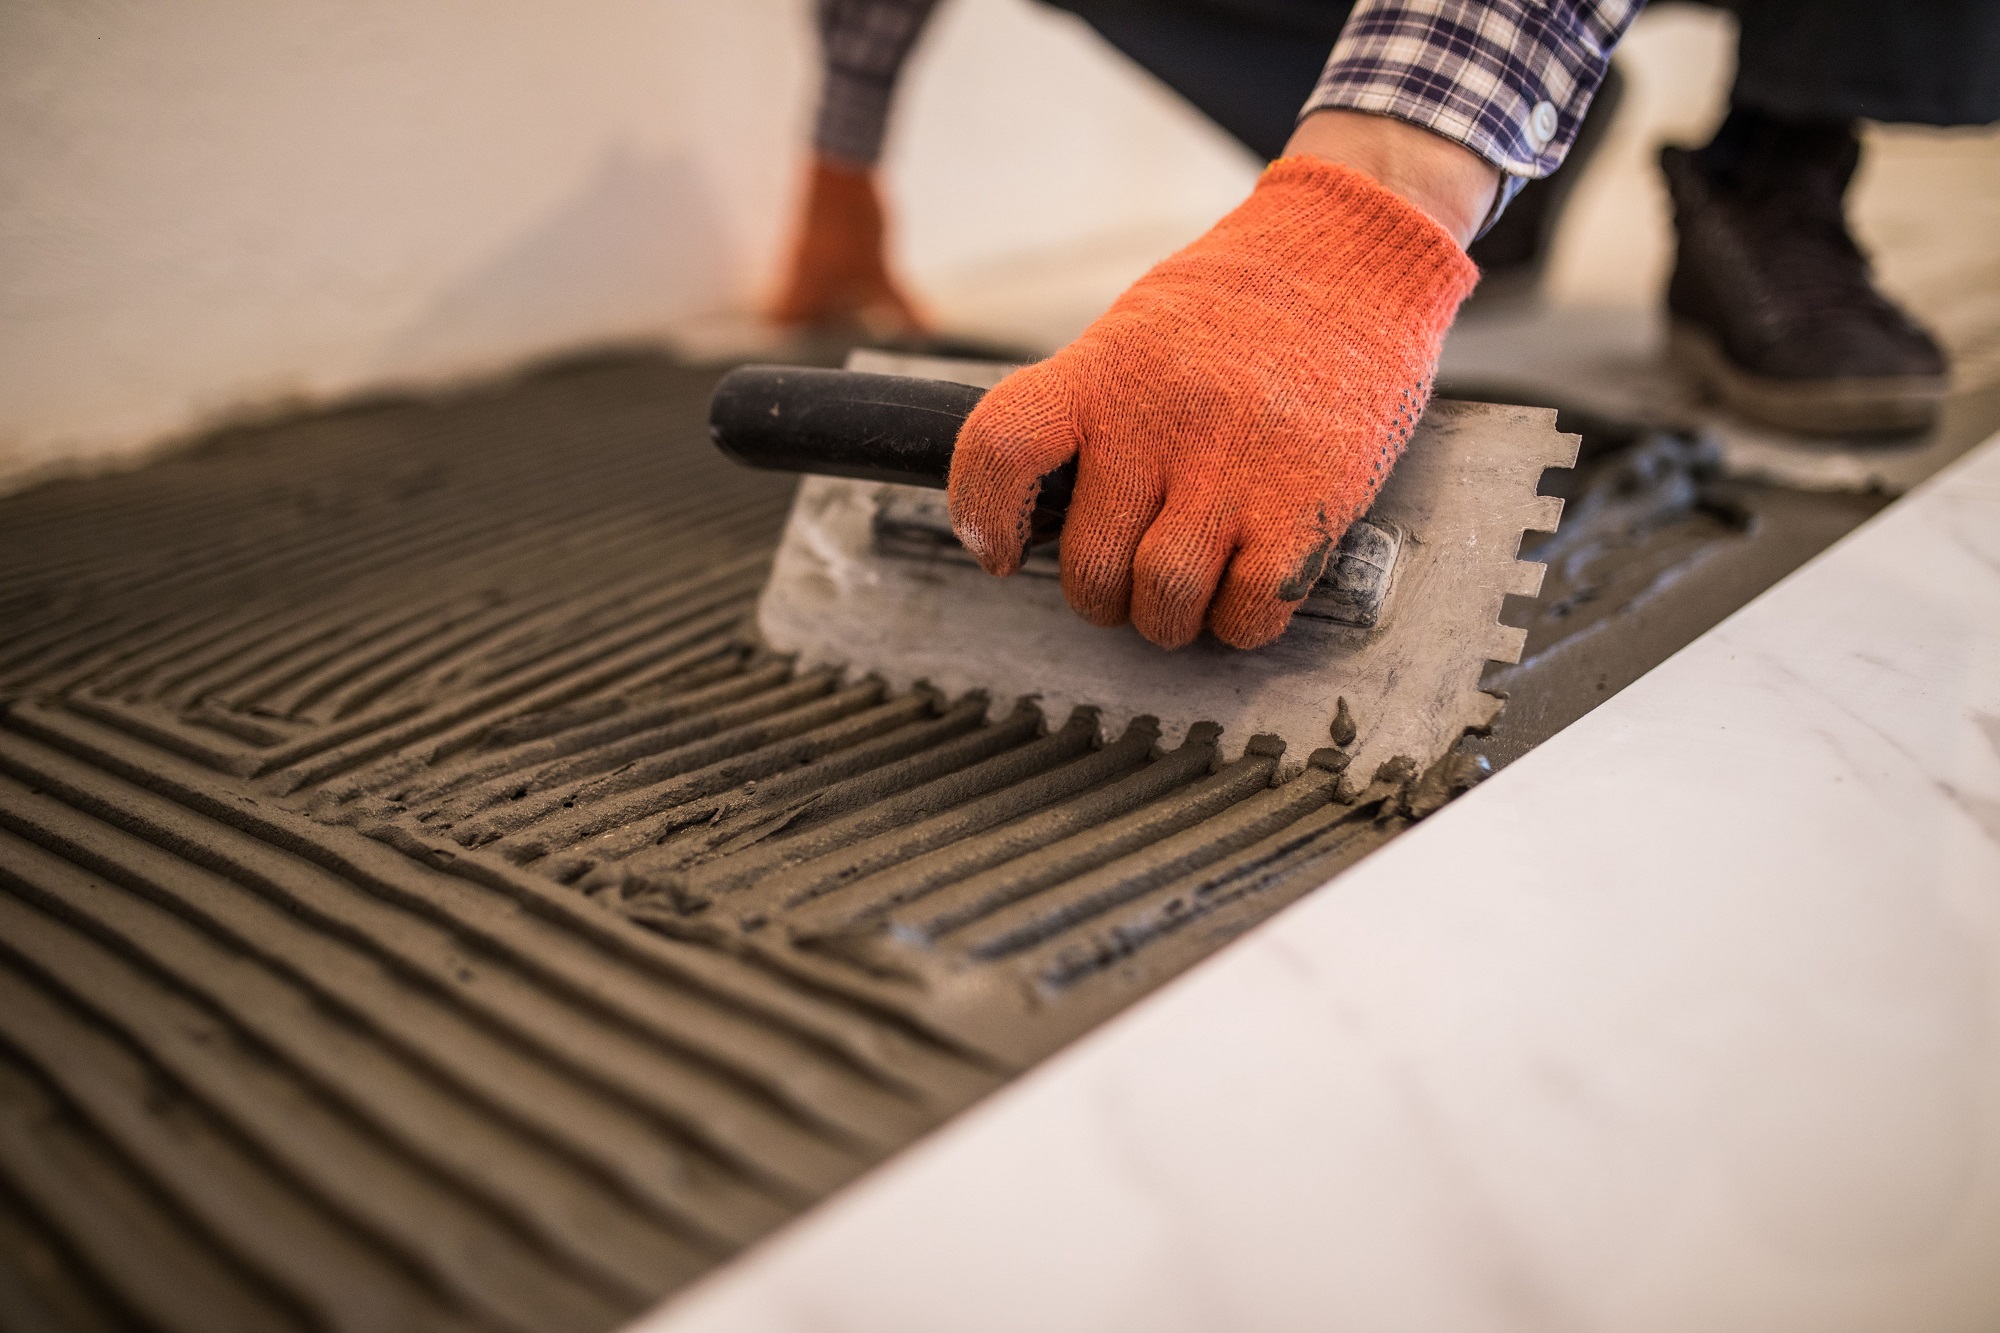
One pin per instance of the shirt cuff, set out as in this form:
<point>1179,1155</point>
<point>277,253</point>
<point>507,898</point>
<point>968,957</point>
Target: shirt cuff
<point>865,43</point>
<point>853,117</point>
<point>1507,79</point>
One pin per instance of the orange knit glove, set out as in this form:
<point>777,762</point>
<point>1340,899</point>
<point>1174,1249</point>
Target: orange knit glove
<point>838,271</point>
<point>1230,415</point>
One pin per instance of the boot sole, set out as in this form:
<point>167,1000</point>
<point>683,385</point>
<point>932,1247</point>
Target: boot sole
<point>1890,404</point>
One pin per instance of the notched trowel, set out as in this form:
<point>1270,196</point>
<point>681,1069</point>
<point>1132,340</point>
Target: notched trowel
<point>1383,657</point>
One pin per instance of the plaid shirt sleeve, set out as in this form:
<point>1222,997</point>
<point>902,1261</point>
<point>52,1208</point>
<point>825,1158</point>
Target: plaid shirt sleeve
<point>1508,79</point>
<point>865,43</point>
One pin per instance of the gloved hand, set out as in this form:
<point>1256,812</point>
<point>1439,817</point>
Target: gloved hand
<point>1230,414</point>
<point>838,273</point>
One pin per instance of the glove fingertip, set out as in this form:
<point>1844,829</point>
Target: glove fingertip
<point>1016,436</point>
<point>1263,588</point>
<point>1248,627</point>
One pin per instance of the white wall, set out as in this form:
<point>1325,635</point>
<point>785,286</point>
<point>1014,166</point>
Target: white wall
<point>214,205</point>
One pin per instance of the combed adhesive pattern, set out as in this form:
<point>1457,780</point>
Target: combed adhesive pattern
<point>423,906</point>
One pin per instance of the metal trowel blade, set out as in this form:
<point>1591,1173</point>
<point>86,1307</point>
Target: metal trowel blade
<point>1392,644</point>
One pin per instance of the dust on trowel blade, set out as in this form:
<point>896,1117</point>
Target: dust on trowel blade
<point>421,906</point>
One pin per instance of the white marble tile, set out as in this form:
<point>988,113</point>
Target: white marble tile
<point>1690,1020</point>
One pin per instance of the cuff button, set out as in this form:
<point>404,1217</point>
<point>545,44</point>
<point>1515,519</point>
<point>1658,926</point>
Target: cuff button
<point>1542,124</point>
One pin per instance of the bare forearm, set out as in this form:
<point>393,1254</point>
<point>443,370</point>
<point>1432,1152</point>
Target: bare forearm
<point>1451,184</point>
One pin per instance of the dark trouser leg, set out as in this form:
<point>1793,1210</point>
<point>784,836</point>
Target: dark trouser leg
<point>1925,62</point>
<point>1249,65</point>
<point>1247,68</point>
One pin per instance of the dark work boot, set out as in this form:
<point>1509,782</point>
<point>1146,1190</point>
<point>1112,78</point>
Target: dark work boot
<point>1773,307</point>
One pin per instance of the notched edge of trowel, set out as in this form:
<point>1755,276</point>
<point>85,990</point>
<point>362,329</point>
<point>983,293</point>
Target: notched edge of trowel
<point>1526,577</point>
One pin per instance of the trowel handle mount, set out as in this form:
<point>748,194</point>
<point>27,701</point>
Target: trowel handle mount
<point>849,423</point>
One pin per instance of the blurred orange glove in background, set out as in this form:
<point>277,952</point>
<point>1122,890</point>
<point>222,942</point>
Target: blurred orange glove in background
<point>838,272</point>
<point>1230,414</point>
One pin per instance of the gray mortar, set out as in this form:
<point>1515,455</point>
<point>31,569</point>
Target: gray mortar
<point>1656,546</point>
<point>422,907</point>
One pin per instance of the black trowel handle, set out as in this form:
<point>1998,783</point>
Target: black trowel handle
<point>849,423</point>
